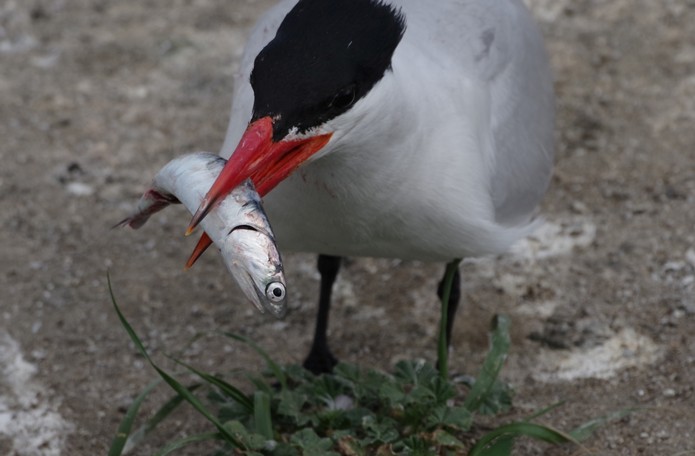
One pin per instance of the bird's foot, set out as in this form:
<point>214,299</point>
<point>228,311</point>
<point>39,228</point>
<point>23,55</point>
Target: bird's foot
<point>320,361</point>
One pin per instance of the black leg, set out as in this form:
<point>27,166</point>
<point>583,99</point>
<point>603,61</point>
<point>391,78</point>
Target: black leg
<point>320,358</point>
<point>454,298</point>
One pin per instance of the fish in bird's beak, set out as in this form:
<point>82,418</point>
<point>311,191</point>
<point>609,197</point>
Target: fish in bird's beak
<point>237,225</point>
<point>263,160</point>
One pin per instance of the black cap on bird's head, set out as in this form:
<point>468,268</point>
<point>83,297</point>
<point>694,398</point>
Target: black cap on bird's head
<point>326,56</point>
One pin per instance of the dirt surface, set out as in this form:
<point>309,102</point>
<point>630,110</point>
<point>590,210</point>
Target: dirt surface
<point>96,95</point>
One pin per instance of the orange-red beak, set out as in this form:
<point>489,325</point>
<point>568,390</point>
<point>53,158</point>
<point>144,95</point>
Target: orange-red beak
<point>263,160</point>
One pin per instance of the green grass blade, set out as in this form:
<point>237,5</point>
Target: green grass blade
<point>545,410</point>
<point>173,383</point>
<point>161,414</point>
<point>261,414</point>
<point>225,387</point>
<point>119,441</point>
<point>502,446</point>
<point>507,432</point>
<point>492,365</point>
<point>195,402</point>
<point>584,431</point>
<point>272,365</point>
<point>442,347</point>
<point>181,443</point>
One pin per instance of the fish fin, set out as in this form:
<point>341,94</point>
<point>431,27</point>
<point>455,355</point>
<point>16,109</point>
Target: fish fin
<point>152,201</point>
<point>124,222</point>
<point>134,221</point>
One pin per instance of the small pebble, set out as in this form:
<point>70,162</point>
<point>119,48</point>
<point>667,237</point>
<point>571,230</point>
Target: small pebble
<point>673,266</point>
<point>579,208</point>
<point>342,402</point>
<point>45,61</point>
<point>669,392</point>
<point>279,325</point>
<point>79,189</point>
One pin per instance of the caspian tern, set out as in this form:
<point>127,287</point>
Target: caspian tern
<point>417,129</point>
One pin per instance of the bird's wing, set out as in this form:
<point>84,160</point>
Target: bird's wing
<point>523,113</point>
<point>497,46</point>
<point>242,101</point>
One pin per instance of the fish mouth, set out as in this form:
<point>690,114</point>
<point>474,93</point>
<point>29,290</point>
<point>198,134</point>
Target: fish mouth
<point>257,229</point>
<point>246,227</point>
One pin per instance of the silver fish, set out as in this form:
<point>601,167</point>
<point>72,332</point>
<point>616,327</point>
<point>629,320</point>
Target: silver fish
<point>238,225</point>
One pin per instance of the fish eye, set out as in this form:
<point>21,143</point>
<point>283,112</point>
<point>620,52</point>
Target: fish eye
<point>275,291</point>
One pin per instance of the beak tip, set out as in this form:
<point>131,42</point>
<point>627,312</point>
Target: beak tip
<point>199,215</point>
<point>193,224</point>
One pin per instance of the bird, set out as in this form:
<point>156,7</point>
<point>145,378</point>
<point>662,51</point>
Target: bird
<point>393,129</point>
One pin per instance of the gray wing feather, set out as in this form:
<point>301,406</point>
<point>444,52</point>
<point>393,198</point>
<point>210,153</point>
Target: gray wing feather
<point>523,123</point>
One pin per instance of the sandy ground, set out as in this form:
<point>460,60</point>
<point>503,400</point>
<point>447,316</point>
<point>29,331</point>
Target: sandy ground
<point>96,95</point>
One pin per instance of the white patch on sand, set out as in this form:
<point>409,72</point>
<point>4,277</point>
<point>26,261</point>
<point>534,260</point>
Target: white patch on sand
<point>625,349</point>
<point>344,293</point>
<point>28,414</point>
<point>547,10</point>
<point>543,309</point>
<point>553,239</point>
<point>563,237</point>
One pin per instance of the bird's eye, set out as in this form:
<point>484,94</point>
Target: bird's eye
<point>344,98</point>
<point>275,291</point>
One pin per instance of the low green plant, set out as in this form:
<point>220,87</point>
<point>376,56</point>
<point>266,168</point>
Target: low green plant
<point>352,411</point>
